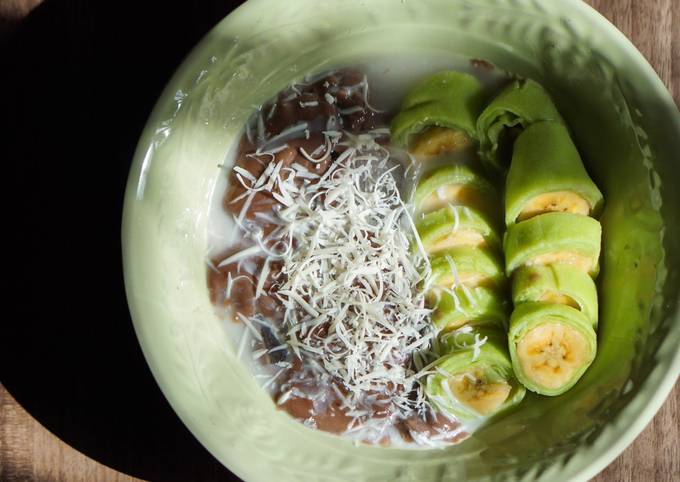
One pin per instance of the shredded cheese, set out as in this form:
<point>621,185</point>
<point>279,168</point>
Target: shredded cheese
<point>353,297</point>
<point>350,286</point>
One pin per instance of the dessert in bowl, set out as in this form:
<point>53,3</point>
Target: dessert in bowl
<point>610,111</point>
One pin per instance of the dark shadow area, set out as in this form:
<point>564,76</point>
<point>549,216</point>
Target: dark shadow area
<point>78,80</point>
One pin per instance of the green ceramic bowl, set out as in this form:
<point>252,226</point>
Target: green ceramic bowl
<point>624,122</point>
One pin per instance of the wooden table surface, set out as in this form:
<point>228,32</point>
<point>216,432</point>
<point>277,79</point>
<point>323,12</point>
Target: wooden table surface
<point>85,430</point>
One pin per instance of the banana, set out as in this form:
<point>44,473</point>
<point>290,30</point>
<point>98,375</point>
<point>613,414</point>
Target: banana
<point>554,238</point>
<point>554,201</point>
<point>547,175</point>
<point>551,346</point>
<point>460,306</point>
<point>474,379</point>
<point>437,141</point>
<point>456,226</point>
<point>456,185</point>
<point>466,266</point>
<point>477,393</point>
<point>522,103</point>
<point>451,100</point>
<point>556,284</point>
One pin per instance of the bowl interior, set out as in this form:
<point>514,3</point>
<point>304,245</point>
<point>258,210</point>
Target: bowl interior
<point>628,131</point>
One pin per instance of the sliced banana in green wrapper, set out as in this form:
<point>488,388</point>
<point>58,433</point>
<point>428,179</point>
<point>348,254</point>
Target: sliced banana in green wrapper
<point>551,346</point>
<point>554,238</point>
<point>547,175</point>
<point>448,103</point>
<point>456,185</point>
<point>556,284</point>
<point>456,226</point>
<point>522,103</point>
<point>439,141</point>
<point>454,308</point>
<point>468,266</point>
<point>474,378</point>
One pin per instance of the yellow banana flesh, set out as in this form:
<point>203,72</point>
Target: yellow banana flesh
<point>461,237</point>
<point>472,390</point>
<point>564,257</point>
<point>550,353</point>
<point>457,195</point>
<point>469,279</point>
<point>436,141</point>
<point>557,201</point>
<point>559,299</point>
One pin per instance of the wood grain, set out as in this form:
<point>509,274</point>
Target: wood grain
<point>654,27</point>
<point>29,452</point>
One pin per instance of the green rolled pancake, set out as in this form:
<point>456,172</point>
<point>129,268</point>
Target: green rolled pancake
<point>450,100</point>
<point>454,308</point>
<point>453,226</point>
<point>522,103</point>
<point>465,265</point>
<point>547,174</point>
<point>554,238</point>
<point>556,284</point>
<point>456,185</point>
<point>551,346</point>
<point>475,379</point>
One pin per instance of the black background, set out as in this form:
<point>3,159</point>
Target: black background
<point>78,80</point>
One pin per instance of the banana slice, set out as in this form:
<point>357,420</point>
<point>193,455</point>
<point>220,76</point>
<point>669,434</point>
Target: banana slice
<point>475,391</point>
<point>547,175</point>
<point>466,266</point>
<point>475,379</point>
<point>556,284</point>
<point>437,141</point>
<point>456,185</point>
<point>455,226</point>
<point>554,238</point>
<point>446,99</point>
<point>551,346</point>
<point>522,103</point>
<point>555,201</point>
<point>454,308</point>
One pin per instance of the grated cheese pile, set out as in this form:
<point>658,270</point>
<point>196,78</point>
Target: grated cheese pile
<point>351,293</point>
<point>352,287</point>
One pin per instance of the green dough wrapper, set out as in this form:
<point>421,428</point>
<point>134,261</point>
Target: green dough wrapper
<point>456,266</point>
<point>554,238</point>
<point>522,103</point>
<point>532,323</point>
<point>467,306</point>
<point>539,283</point>
<point>456,185</point>
<point>446,99</point>
<point>456,226</point>
<point>545,160</point>
<point>489,363</point>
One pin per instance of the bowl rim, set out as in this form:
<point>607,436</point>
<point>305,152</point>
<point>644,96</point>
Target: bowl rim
<point>670,378</point>
<point>616,438</point>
